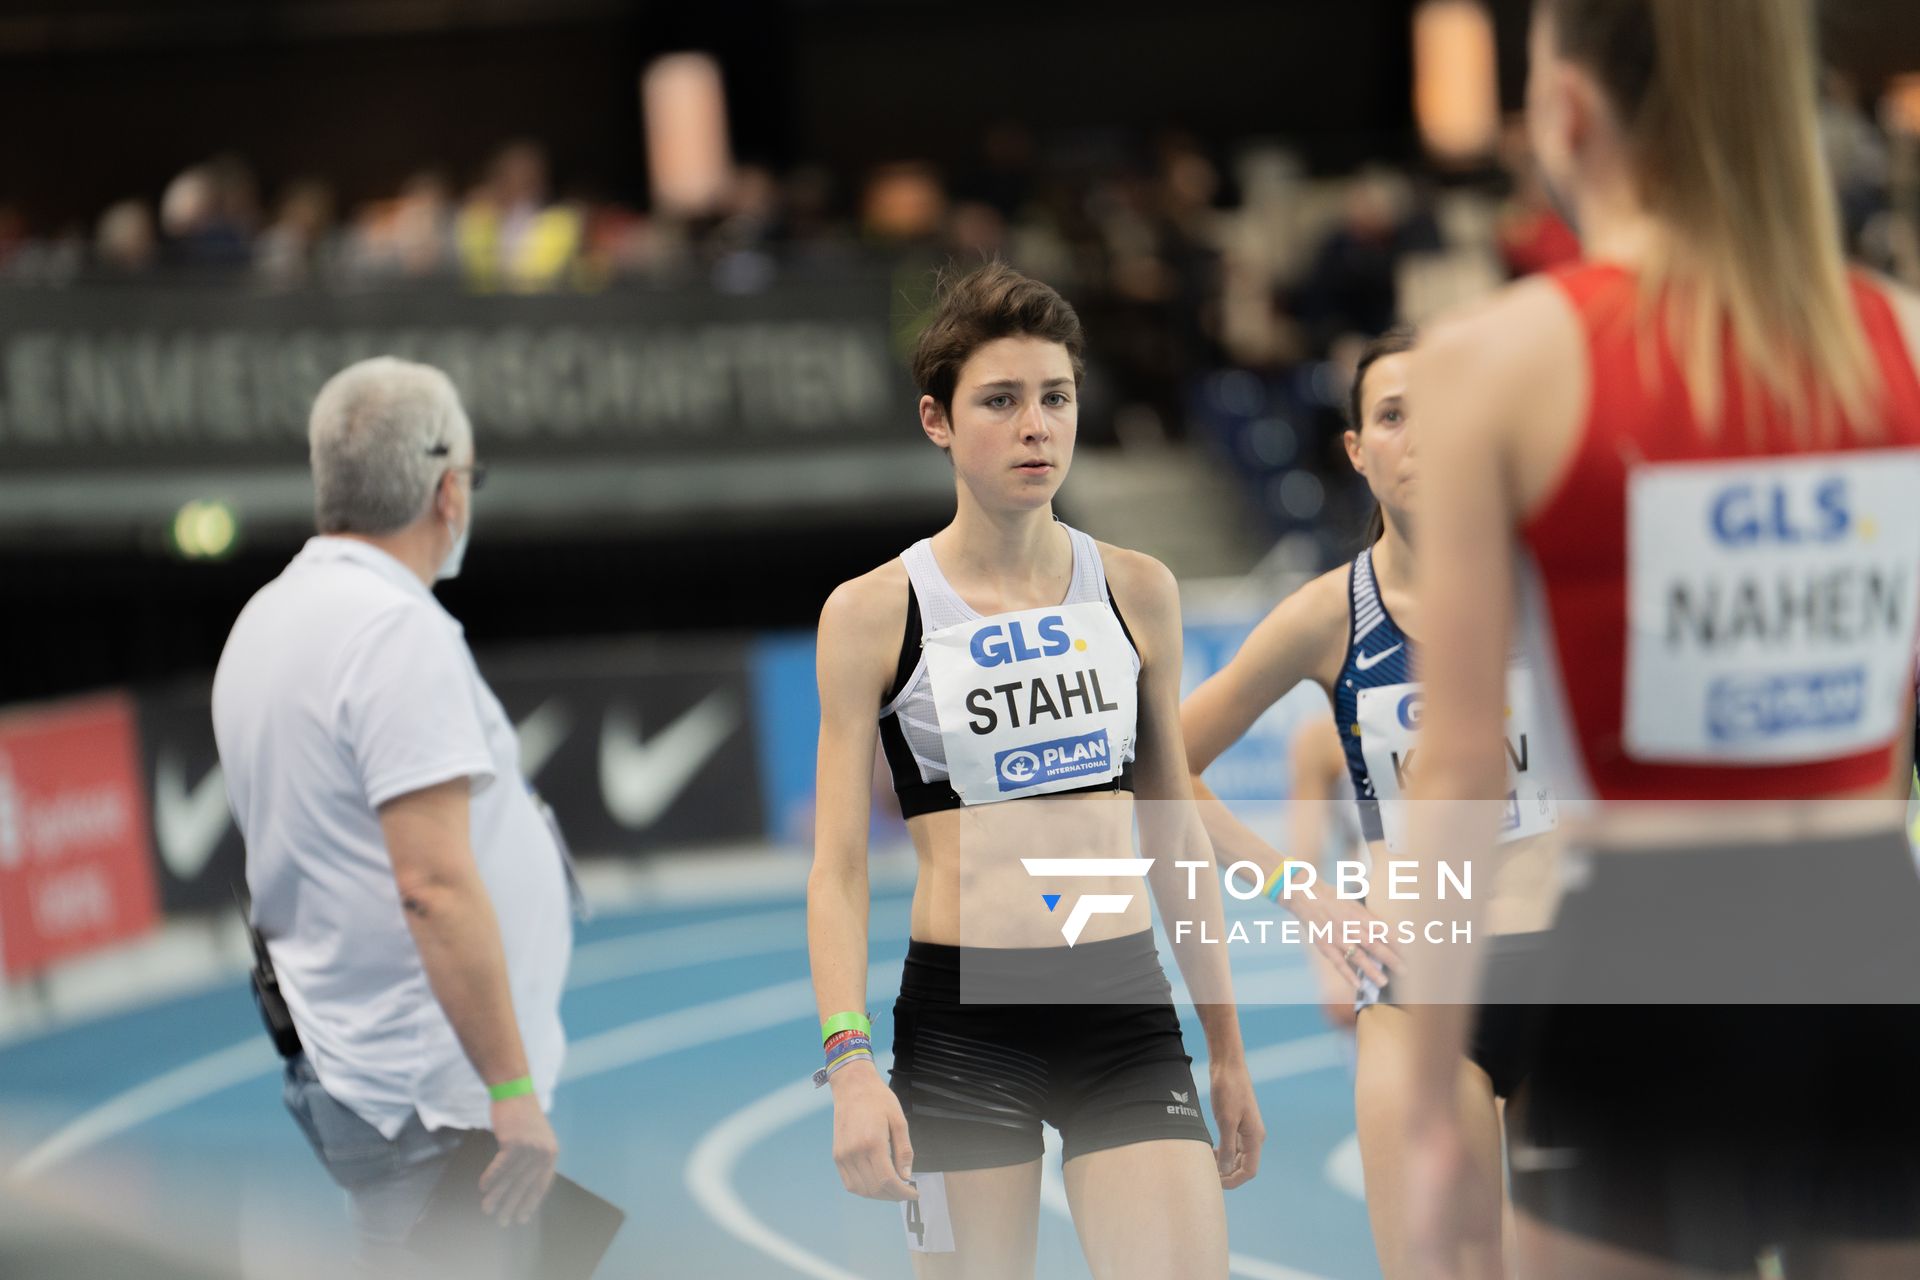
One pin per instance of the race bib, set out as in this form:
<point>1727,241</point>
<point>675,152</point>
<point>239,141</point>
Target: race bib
<point>1771,606</point>
<point>1033,702</point>
<point>1389,730</point>
<point>928,1220</point>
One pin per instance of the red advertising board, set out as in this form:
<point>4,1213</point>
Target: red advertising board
<point>76,860</point>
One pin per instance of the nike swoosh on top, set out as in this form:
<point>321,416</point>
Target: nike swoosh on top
<point>640,780</point>
<point>187,825</point>
<point>1368,661</point>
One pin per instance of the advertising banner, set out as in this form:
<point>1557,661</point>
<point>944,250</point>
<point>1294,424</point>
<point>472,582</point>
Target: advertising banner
<point>202,377</point>
<point>76,866</point>
<point>638,746</point>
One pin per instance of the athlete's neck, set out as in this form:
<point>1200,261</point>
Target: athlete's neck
<point>1012,547</point>
<point>1615,226</point>
<point>1393,560</point>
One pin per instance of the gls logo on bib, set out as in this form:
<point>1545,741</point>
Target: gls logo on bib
<point>996,645</point>
<point>1749,514</point>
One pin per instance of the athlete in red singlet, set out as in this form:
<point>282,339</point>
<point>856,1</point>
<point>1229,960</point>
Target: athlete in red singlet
<point>1581,539</point>
<point>1685,477</point>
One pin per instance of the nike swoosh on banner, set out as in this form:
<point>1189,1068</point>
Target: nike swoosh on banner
<point>541,734</point>
<point>187,825</point>
<point>640,780</point>
<point>1368,661</point>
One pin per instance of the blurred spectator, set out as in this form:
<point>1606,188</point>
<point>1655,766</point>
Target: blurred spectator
<point>208,214</point>
<point>408,237</point>
<point>509,236</point>
<point>750,210</point>
<point>125,243</point>
<point>741,241</point>
<point>1352,287</point>
<point>292,251</point>
<point>617,241</point>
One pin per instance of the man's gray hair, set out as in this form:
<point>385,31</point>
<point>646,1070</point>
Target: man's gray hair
<point>381,434</point>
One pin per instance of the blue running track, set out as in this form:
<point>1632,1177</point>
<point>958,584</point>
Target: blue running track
<point>685,1102</point>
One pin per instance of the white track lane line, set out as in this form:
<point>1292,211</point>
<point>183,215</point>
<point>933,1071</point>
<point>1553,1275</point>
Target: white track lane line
<point>685,946</point>
<point>703,1024</point>
<point>1343,1170</point>
<point>709,1170</point>
<point>144,1102</point>
<point>686,1028</point>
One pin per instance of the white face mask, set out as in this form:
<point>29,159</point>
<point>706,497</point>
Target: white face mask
<point>450,567</point>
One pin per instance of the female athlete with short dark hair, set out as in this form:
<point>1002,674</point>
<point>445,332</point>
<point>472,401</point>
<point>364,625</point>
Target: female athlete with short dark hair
<point>1023,682</point>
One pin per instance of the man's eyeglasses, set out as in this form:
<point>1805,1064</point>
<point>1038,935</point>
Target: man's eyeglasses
<point>476,470</point>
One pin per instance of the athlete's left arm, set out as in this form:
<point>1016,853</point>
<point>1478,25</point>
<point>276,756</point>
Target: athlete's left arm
<point>1496,394</point>
<point>1490,400</point>
<point>1171,832</point>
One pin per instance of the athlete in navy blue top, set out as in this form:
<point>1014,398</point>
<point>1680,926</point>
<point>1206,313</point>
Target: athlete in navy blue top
<point>1379,654</point>
<point>1344,632</point>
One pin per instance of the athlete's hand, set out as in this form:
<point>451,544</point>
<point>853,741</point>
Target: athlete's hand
<point>1367,956</point>
<point>1237,1114</point>
<point>870,1146</point>
<point>517,1180</point>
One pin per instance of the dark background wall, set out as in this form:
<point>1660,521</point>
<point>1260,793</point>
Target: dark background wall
<point>127,96</point>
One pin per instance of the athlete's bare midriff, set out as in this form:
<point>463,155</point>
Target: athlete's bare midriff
<point>973,889</point>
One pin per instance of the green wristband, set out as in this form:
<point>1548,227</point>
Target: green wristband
<point>845,1022</point>
<point>510,1089</point>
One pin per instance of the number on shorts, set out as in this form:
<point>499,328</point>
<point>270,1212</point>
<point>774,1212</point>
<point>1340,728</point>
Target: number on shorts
<point>916,1226</point>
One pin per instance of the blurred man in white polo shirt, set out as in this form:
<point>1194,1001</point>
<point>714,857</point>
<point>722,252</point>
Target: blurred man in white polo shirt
<point>413,900</point>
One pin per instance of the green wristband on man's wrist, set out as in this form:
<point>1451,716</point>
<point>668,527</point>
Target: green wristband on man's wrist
<point>510,1089</point>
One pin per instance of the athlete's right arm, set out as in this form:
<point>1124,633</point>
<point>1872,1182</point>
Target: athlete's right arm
<point>1302,639</point>
<point>858,640</point>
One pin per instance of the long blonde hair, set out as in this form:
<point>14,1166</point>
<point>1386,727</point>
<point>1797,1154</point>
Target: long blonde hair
<point>1717,101</point>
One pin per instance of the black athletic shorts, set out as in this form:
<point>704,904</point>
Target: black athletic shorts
<point>978,1080</point>
<point>1504,1027</point>
<point>1705,1133</point>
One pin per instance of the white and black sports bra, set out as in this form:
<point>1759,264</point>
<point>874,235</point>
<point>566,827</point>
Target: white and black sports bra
<point>910,727</point>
